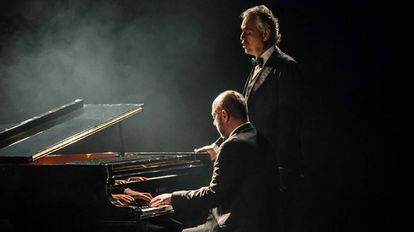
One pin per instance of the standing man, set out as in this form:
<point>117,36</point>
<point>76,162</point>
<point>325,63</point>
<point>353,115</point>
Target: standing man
<point>274,91</point>
<point>274,88</point>
<point>241,194</point>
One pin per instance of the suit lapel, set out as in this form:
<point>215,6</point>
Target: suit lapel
<point>270,66</point>
<point>246,85</point>
<point>263,74</point>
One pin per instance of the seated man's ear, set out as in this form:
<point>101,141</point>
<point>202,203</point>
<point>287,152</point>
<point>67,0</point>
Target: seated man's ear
<point>225,114</point>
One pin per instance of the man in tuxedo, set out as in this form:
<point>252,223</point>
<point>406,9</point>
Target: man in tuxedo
<point>274,91</point>
<point>242,192</point>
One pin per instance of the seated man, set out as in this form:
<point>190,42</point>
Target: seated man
<point>240,193</point>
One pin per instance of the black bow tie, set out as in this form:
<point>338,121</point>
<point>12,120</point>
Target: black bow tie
<point>257,61</point>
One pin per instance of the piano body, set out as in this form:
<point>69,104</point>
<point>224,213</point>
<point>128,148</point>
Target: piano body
<point>66,192</point>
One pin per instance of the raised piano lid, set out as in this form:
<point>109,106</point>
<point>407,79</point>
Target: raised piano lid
<point>41,135</point>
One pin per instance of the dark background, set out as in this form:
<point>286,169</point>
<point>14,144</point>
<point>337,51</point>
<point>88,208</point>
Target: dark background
<point>176,56</point>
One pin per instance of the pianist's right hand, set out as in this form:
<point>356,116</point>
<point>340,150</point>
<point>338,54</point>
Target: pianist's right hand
<point>163,199</point>
<point>210,149</point>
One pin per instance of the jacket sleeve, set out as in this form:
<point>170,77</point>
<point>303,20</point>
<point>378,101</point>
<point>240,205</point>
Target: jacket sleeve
<point>289,119</point>
<point>225,180</point>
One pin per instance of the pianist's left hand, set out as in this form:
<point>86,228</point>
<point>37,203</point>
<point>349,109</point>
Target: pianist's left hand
<point>163,199</point>
<point>123,199</point>
<point>138,195</point>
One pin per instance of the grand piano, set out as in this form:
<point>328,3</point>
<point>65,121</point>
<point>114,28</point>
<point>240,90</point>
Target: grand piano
<point>44,189</point>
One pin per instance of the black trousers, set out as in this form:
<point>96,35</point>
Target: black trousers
<point>293,201</point>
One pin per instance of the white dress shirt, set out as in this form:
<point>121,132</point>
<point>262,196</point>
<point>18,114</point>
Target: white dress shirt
<point>265,57</point>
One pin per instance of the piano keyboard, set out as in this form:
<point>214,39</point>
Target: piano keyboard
<point>147,211</point>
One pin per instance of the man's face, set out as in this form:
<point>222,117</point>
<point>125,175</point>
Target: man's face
<point>251,38</point>
<point>218,121</point>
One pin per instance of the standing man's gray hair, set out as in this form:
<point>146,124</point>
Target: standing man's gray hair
<point>265,21</point>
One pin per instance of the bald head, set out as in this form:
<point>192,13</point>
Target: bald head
<point>233,103</point>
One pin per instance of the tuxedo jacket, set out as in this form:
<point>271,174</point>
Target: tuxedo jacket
<point>240,189</point>
<point>274,99</point>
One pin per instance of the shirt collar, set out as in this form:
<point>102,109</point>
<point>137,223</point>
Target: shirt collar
<point>267,54</point>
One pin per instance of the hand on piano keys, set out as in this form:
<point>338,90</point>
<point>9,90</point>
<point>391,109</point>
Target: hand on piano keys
<point>138,195</point>
<point>163,199</point>
<point>123,199</point>
<point>211,149</point>
<point>131,197</point>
